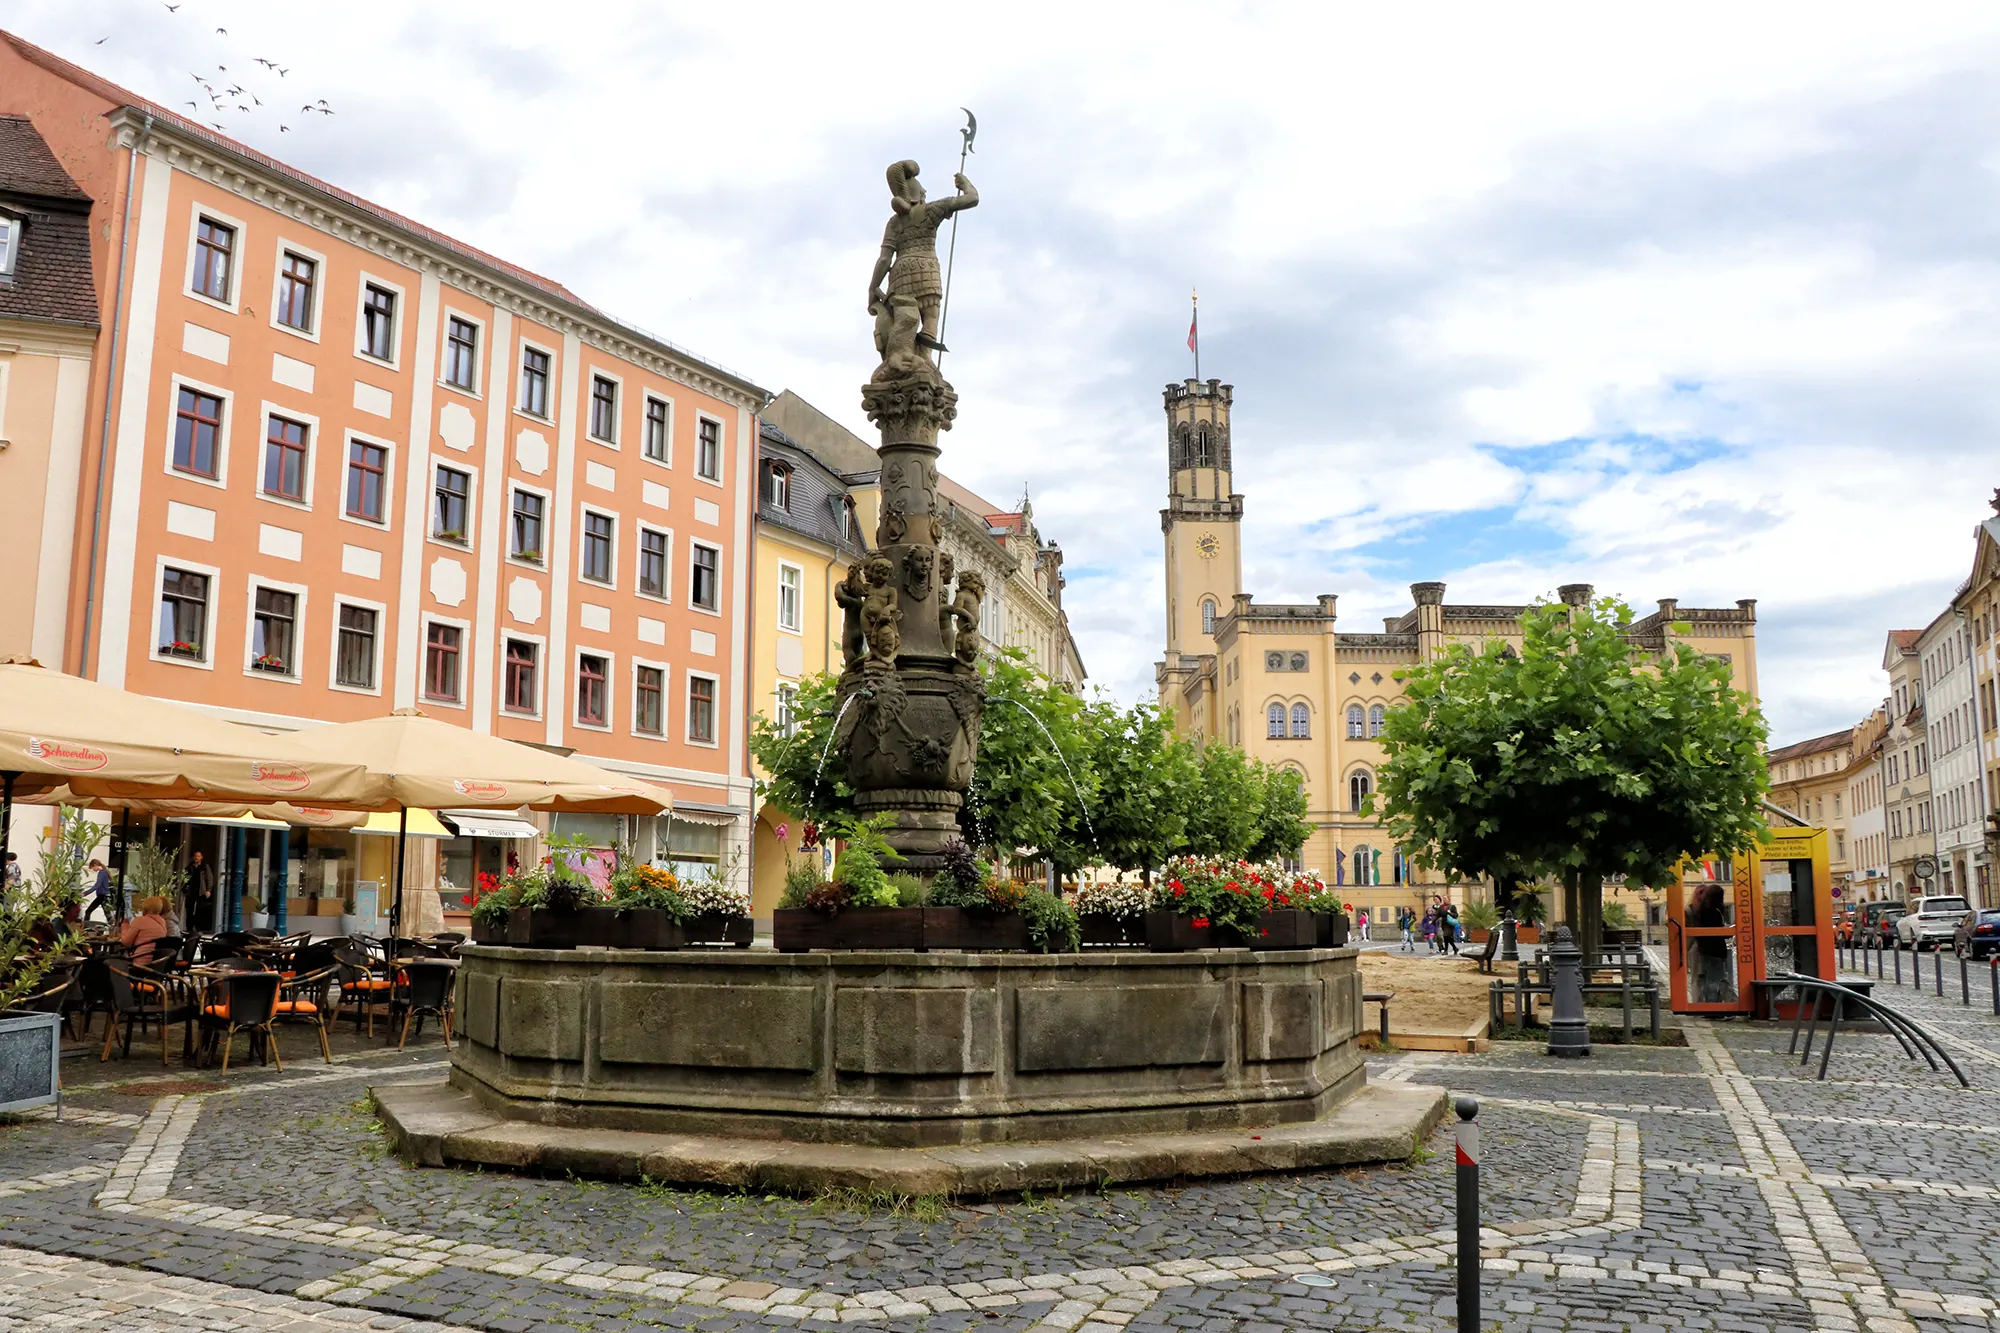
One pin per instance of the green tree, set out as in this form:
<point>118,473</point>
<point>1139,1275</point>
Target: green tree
<point>1575,759</point>
<point>1282,827</point>
<point>1142,771</point>
<point>791,756</point>
<point>1225,807</point>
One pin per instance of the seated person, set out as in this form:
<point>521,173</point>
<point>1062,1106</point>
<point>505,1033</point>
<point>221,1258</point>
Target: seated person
<point>139,933</point>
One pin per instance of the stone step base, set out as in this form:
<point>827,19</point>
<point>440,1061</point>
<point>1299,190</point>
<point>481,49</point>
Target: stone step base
<point>435,1124</point>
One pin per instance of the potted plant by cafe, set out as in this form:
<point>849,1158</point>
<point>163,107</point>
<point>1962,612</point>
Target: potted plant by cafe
<point>1531,909</point>
<point>35,939</point>
<point>1113,914</point>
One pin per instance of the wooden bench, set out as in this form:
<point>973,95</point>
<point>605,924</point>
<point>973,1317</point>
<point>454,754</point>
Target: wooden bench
<point>1381,997</point>
<point>1486,956</point>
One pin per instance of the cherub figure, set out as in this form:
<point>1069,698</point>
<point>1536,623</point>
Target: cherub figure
<point>965,610</point>
<point>881,617</point>
<point>851,592</point>
<point>947,622</point>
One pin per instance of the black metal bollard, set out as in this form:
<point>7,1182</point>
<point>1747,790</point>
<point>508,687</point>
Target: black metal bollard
<point>1510,944</point>
<point>1993,974</point>
<point>1964,982</point>
<point>1937,968</point>
<point>1569,1028</point>
<point>1468,1215</point>
<point>1899,964</point>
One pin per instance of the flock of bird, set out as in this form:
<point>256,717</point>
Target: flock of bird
<point>226,93</point>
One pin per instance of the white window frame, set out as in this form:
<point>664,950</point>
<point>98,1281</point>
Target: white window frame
<point>471,505</point>
<point>395,289</point>
<point>687,712</point>
<point>666,597</point>
<point>798,625</point>
<point>307,419</point>
<point>479,350</point>
<point>540,566</point>
<point>651,397</point>
<point>721,447</point>
<point>206,662</point>
<point>522,346</point>
<point>666,700</point>
<point>541,677</point>
<point>617,383</point>
<point>610,722</point>
<point>720,568</point>
<point>465,650</point>
<point>198,210</point>
<point>317,315</point>
<point>388,520</point>
<point>775,469</point>
<point>220,481</point>
<point>296,675</point>
<point>12,228</point>
<point>582,535</point>
<point>333,656</point>
<point>785,718</point>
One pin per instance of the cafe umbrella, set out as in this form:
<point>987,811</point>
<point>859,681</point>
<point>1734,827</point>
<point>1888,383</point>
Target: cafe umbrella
<point>430,764</point>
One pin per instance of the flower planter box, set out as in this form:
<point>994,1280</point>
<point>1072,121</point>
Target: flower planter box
<point>1330,930</point>
<point>797,929</point>
<point>30,1059</point>
<point>1113,931</point>
<point>734,932</point>
<point>603,927</point>
<point>1170,932</point>
<point>971,928</point>
<point>1283,928</point>
<point>1527,934</point>
<point>489,932</point>
<point>1476,934</point>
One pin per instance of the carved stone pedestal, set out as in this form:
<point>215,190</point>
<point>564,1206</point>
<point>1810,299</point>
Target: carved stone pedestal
<point>911,736</point>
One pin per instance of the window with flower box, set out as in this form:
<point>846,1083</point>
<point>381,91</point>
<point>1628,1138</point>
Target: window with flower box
<point>274,632</point>
<point>183,623</point>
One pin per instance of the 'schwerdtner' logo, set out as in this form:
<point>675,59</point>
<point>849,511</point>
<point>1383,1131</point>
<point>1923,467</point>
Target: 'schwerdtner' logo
<point>278,777</point>
<point>484,791</point>
<point>68,755</point>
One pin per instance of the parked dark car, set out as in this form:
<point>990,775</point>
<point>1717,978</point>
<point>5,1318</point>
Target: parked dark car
<point>1868,924</point>
<point>1979,934</point>
<point>1885,925</point>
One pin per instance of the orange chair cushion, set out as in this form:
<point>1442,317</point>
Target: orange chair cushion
<point>297,1007</point>
<point>145,988</point>
<point>216,1010</point>
<point>372,983</point>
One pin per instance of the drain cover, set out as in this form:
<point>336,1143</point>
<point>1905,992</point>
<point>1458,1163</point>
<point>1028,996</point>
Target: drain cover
<point>1314,1280</point>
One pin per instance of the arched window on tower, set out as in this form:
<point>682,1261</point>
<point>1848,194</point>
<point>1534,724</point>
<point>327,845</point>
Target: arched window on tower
<point>1356,722</point>
<point>1274,722</point>
<point>1301,722</point>
<point>1179,448</point>
<point>1208,617</point>
<point>1359,788</point>
<point>1204,447</point>
<point>1375,716</point>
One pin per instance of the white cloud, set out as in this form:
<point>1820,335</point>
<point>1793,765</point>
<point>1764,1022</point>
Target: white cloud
<point>1743,254</point>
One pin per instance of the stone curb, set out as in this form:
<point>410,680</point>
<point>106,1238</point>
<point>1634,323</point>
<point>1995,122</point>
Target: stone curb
<point>435,1124</point>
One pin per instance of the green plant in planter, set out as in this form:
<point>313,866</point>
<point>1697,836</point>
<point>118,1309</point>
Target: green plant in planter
<point>492,908</point>
<point>150,871</point>
<point>37,906</point>
<point>862,876</point>
<point>654,888</point>
<point>1479,916</point>
<point>1052,923</point>
<point>1617,916</point>
<point>1531,907</point>
<point>963,881</point>
<point>910,891</point>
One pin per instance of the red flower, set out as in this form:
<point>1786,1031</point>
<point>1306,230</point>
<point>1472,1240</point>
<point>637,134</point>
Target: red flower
<point>1201,923</point>
<point>1262,933</point>
<point>1179,892</point>
<point>1284,900</point>
<point>1269,893</point>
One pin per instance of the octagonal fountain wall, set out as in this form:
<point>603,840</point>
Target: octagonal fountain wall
<point>908,1049</point>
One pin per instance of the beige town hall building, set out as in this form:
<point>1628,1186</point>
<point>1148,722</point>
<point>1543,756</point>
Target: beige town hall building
<point>1292,688</point>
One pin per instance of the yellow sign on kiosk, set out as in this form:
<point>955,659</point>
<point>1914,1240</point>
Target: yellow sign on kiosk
<point>1768,913</point>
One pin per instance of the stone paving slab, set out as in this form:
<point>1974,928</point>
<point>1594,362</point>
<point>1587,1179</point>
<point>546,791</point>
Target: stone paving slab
<point>439,1124</point>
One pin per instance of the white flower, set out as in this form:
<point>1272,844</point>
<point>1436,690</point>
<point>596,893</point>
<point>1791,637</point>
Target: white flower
<point>1118,899</point>
<point>713,897</point>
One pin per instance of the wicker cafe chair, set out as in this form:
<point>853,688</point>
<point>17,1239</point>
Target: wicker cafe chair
<point>241,1002</point>
<point>55,995</point>
<point>427,991</point>
<point>359,984</point>
<point>140,996</point>
<point>306,999</point>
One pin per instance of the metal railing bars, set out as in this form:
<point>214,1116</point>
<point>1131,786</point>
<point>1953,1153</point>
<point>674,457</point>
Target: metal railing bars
<point>1905,1030</point>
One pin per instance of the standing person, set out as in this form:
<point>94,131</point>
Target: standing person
<point>1361,919</point>
<point>13,870</point>
<point>1405,920</point>
<point>1452,929</point>
<point>200,894</point>
<point>100,891</point>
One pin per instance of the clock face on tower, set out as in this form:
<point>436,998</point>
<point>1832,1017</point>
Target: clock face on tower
<point>1206,546</point>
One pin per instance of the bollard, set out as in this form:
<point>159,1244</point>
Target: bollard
<point>1964,982</point>
<point>1993,974</point>
<point>1937,968</point>
<point>1899,966</point>
<point>1468,1215</point>
<point>1510,944</point>
<point>1569,1029</point>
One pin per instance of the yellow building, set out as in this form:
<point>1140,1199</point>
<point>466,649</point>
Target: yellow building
<point>1810,779</point>
<point>1290,687</point>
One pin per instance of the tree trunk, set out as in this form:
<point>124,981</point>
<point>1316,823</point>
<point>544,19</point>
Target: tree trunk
<point>1589,925</point>
<point>1573,905</point>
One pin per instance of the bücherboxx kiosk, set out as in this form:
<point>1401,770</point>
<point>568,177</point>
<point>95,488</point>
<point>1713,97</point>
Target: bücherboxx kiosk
<point>1767,913</point>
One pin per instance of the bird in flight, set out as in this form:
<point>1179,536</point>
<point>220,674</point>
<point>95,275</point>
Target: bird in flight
<point>223,31</point>
<point>191,104</point>
<point>100,41</point>
<point>284,129</point>
<point>267,64</point>
<point>172,8</point>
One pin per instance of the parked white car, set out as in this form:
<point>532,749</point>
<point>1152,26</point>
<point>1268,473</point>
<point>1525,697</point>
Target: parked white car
<point>1931,921</point>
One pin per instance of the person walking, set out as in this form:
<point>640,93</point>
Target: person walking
<point>1452,929</point>
<point>100,891</point>
<point>200,895</point>
<point>1406,921</point>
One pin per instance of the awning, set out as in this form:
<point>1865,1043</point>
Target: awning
<point>246,820</point>
<point>421,824</point>
<point>691,812</point>
<point>484,824</point>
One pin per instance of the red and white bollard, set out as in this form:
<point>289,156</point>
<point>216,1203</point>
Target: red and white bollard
<point>1468,1215</point>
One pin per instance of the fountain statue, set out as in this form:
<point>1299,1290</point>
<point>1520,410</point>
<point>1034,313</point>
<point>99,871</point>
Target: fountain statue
<point>909,697</point>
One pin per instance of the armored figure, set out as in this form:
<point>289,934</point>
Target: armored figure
<point>909,254</point>
<point>851,592</point>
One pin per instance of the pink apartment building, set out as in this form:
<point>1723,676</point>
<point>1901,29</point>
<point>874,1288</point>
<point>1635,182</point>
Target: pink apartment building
<point>331,462</point>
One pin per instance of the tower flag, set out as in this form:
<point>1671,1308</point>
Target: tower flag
<point>1194,329</point>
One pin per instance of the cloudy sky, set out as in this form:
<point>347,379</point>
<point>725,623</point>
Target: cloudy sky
<point>1682,300</point>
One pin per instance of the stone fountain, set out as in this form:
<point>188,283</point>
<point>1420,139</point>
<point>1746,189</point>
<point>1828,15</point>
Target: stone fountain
<point>909,696</point>
<point>918,1073</point>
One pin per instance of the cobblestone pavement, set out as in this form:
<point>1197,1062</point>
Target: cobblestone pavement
<point>1706,1187</point>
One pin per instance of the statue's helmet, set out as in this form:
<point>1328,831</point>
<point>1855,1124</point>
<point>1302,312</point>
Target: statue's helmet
<point>903,181</point>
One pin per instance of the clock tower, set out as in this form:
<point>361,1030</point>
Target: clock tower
<point>1203,520</point>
